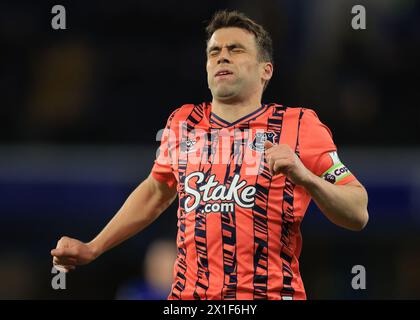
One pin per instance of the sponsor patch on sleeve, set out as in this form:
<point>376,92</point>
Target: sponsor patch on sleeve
<point>337,172</point>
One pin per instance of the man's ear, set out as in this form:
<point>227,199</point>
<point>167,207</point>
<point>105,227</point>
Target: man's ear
<point>267,71</point>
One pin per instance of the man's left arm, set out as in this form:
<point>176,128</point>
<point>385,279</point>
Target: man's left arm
<point>345,205</point>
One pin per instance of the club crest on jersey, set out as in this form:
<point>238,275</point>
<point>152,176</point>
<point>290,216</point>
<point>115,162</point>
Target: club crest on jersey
<point>188,145</point>
<point>260,138</point>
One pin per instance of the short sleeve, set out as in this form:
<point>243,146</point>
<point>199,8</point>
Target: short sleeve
<point>318,151</point>
<point>162,169</point>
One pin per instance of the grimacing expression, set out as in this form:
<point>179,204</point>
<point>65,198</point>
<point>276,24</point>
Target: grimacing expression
<point>234,69</point>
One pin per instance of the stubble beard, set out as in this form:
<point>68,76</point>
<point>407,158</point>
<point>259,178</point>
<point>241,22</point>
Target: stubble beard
<point>226,91</point>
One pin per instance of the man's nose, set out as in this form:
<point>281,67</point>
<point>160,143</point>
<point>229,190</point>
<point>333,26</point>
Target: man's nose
<point>224,56</point>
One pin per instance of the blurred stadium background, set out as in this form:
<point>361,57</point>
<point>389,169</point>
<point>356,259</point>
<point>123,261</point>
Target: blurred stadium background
<point>80,109</point>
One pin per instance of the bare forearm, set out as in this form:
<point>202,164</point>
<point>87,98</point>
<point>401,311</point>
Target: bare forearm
<point>140,209</point>
<point>344,205</point>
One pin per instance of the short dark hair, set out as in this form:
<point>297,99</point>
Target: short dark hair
<point>226,19</point>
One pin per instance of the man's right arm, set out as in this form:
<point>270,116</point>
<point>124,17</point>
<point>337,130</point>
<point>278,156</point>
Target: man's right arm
<point>140,209</point>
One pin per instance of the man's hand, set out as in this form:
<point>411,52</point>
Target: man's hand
<point>70,253</point>
<point>282,160</point>
<point>344,205</point>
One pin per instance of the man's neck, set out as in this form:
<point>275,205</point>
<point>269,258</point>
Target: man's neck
<point>234,111</point>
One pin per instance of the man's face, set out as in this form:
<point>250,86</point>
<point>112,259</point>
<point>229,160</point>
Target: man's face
<point>233,68</point>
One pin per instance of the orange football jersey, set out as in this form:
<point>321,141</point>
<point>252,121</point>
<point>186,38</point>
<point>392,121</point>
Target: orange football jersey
<point>239,226</point>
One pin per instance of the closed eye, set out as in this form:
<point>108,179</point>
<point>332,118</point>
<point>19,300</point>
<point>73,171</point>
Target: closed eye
<point>213,51</point>
<point>233,48</point>
<point>238,50</point>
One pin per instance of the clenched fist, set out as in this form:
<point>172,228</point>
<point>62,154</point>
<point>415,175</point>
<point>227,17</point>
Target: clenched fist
<point>70,253</point>
<point>282,160</point>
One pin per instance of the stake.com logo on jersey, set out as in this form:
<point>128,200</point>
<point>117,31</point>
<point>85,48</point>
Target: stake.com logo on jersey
<point>212,196</point>
<point>219,146</point>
